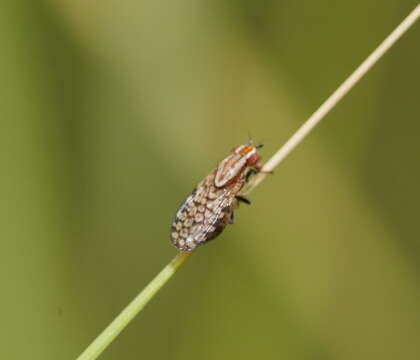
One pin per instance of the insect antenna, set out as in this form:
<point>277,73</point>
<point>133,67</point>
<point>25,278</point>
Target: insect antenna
<point>250,141</point>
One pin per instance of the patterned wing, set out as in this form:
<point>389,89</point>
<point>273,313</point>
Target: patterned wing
<point>204,214</point>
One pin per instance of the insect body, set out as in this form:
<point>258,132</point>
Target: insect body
<point>209,208</point>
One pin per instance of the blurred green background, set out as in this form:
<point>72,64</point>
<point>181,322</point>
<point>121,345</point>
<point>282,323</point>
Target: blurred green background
<point>112,111</point>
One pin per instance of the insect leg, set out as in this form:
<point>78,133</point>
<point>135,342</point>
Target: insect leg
<point>249,173</point>
<point>256,170</point>
<point>231,218</point>
<point>243,199</point>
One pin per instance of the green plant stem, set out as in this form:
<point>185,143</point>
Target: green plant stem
<point>132,309</point>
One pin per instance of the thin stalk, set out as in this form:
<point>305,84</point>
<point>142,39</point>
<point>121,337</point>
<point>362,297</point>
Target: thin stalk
<point>335,97</point>
<point>122,320</point>
<point>128,314</point>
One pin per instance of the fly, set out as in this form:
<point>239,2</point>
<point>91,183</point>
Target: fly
<point>209,208</point>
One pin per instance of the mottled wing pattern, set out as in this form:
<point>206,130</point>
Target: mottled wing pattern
<point>205,213</point>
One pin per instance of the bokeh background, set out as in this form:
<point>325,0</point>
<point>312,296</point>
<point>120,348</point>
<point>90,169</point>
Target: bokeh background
<point>112,111</point>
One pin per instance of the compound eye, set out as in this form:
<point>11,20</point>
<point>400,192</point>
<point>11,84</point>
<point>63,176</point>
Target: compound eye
<point>253,159</point>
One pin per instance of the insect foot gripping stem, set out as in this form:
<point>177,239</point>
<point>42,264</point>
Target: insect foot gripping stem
<point>209,208</point>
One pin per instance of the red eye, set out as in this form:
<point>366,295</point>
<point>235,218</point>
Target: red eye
<point>253,159</point>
